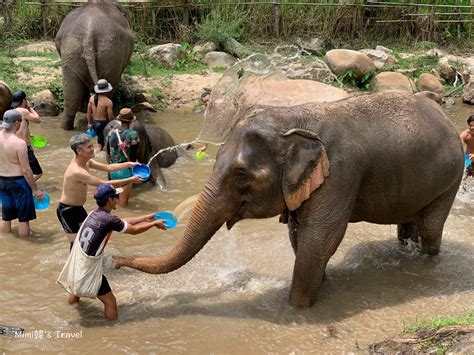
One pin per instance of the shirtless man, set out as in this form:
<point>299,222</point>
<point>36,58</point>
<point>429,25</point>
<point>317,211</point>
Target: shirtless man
<point>467,137</point>
<point>70,211</point>
<point>21,104</point>
<point>17,185</point>
<point>99,111</point>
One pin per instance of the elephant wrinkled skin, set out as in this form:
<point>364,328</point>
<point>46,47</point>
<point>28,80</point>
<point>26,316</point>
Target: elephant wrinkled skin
<point>94,42</point>
<point>389,158</point>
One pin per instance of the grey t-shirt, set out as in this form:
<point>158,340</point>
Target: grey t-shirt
<point>96,230</point>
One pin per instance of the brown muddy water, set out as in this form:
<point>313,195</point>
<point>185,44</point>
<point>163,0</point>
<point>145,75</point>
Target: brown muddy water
<point>232,298</point>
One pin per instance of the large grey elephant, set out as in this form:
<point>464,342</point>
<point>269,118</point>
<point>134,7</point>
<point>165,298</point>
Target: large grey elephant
<point>389,158</point>
<point>5,98</point>
<point>94,42</point>
<point>152,140</point>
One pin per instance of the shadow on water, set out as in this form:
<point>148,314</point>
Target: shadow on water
<point>371,276</point>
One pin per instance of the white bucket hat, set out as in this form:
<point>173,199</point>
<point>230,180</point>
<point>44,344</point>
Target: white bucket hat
<point>102,86</point>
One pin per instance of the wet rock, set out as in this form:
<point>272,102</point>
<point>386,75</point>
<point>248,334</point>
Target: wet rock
<point>45,103</point>
<point>342,60</point>
<point>392,81</point>
<point>200,50</point>
<point>143,106</point>
<point>468,93</point>
<point>144,97</point>
<point>429,82</point>
<point>446,71</point>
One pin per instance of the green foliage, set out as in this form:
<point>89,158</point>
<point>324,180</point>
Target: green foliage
<point>219,69</point>
<point>349,77</point>
<point>413,66</point>
<point>56,89</point>
<point>160,97</point>
<point>221,25</point>
<point>186,58</point>
<point>439,323</point>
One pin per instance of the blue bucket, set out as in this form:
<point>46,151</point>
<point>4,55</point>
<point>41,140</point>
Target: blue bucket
<point>42,205</point>
<point>91,133</point>
<point>169,219</point>
<point>467,161</point>
<point>142,171</point>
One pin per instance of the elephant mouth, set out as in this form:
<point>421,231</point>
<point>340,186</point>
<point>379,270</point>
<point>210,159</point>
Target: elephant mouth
<point>239,215</point>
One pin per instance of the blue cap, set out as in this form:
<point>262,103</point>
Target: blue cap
<point>106,190</point>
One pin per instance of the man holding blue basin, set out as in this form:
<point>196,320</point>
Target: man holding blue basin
<point>122,146</point>
<point>77,178</point>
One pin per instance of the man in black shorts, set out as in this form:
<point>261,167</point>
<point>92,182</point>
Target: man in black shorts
<point>95,233</point>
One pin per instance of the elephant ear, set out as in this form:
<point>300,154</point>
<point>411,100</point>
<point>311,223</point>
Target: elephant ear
<point>305,167</point>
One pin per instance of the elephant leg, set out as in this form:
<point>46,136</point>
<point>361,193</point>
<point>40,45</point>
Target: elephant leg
<point>74,91</point>
<point>432,219</point>
<point>293,230</point>
<point>407,231</point>
<point>315,247</point>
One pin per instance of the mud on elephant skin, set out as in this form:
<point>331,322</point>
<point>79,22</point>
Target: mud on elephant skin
<point>152,140</point>
<point>94,42</point>
<point>323,166</point>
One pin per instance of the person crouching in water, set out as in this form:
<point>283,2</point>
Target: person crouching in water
<point>122,146</point>
<point>82,273</point>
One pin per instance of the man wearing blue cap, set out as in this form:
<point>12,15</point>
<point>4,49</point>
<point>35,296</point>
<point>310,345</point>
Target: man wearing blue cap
<point>94,236</point>
<point>17,185</point>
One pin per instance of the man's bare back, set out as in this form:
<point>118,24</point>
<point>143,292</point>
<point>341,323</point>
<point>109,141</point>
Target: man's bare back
<point>101,112</point>
<point>11,150</point>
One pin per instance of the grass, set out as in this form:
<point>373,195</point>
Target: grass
<point>145,66</point>
<point>438,323</point>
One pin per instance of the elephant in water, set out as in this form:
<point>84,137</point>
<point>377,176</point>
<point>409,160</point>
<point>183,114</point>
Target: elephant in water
<point>388,158</point>
<point>152,140</point>
<point>5,98</point>
<point>94,42</point>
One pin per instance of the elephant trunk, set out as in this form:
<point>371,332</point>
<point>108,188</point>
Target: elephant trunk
<point>206,219</point>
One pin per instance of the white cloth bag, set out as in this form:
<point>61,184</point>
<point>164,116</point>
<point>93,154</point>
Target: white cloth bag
<point>82,274</point>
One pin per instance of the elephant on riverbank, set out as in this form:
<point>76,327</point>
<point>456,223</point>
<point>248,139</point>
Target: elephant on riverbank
<point>388,158</point>
<point>5,97</point>
<point>94,42</point>
<point>152,140</point>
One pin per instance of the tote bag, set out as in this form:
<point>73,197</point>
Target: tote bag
<point>82,274</point>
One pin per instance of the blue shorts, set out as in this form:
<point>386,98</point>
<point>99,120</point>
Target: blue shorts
<point>121,174</point>
<point>17,199</point>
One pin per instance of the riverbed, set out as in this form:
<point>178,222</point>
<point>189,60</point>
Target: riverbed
<point>232,297</point>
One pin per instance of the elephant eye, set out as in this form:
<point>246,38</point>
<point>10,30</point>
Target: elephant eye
<point>241,177</point>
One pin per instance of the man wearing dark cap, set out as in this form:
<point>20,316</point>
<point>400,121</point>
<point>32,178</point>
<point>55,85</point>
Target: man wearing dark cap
<point>28,113</point>
<point>122,146</point>
<point>94,236</point>
<point>17,185</point>
<point>99,111</point>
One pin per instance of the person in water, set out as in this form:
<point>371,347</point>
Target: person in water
<point>96,231</point>
<point>99,111</point>
<point>467,137</point>
<point>122,146</point>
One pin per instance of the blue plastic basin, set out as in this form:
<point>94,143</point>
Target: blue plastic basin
<point>467,161</point>
<point>143,171</point>
<point>91,132</point>
<point>42,205</point>
<point>169,219</point>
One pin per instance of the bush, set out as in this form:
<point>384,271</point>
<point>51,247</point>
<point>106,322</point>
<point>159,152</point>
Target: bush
<point>219,26</point>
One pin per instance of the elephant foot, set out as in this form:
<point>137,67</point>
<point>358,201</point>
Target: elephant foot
<point>300,300</point>
<point>67,126</point>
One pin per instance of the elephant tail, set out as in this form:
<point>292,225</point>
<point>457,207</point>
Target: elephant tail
<point>89,57</point>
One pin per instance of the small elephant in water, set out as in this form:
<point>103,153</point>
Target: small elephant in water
<point>388,158</point>
<point>94,42</point>
<point>152,140</point>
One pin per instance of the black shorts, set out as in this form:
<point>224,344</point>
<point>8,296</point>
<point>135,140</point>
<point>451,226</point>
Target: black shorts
<point>34,163</point>
<point>104,287</point>
<point>98,127</point>
<point>71,217</point>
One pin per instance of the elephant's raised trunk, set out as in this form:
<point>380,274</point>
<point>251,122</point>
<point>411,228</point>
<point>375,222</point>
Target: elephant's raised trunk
<point>206,219</point>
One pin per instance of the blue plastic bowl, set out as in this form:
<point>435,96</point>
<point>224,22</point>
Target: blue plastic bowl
<point>170,219</point>
<point>467,161</point>
<point>91,133</point>
<point>143,171</point>
<point>42,205</point>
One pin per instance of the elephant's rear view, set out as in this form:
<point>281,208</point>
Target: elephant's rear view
<point>94,42</point>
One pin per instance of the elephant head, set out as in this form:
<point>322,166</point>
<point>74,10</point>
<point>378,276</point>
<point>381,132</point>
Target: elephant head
<point>260,172</point>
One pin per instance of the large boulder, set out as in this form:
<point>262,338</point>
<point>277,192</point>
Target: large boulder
<point>343,60</point>
<point>219,59</point>
<point>5,97</point>
<point>468,93</point>
<point>392,81</point>
<point>429,82</point>
<point>379,57</point>
<point>165,54</point>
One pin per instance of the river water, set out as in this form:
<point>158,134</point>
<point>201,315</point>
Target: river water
<point>232,298</point>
